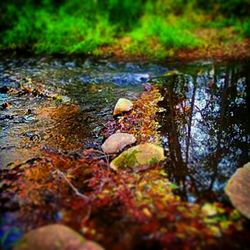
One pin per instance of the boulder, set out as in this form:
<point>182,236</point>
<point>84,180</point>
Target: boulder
<point>238,190</point>
<point>55,237</point>
<point>116,142</point>
<point>143,154</point>
<point>122,105</point>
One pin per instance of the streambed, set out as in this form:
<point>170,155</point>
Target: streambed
<point>63,105</point>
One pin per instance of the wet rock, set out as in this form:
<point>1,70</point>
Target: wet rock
<point>116,142</point>
<point>55,237</point>
<point>143,154</point>
<point>122,105</point>
<point>238,190</point>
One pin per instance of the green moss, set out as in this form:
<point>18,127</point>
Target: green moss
<point>143,154</point>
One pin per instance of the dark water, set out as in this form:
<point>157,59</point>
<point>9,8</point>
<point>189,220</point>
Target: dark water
<point>204,122</point>
<point>205,128</point>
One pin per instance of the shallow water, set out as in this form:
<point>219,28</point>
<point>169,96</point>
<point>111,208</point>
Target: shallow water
<point>63,105</point>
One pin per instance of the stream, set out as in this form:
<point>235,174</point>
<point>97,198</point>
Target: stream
<point>63,104</point>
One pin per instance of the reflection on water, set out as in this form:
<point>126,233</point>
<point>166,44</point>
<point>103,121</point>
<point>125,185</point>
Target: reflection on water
<point>205,127</point>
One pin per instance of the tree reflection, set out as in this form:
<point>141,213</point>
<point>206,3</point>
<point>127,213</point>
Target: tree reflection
<point>205,127</point>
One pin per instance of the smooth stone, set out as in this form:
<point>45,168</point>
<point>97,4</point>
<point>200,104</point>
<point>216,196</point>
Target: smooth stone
<point>143,154</point>
<point>55,237</point>
<point>238,190</point>
<point>122,105</point>
<point>116,142</point>
<point>91,245</point>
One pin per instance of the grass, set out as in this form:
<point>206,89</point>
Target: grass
<point>161,37</point>
<point>156,28</point>
<point>246,28</point>
<point>57,32</point>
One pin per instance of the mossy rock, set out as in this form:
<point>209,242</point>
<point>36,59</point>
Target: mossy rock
<point>55,237</point>
<point>143,154</point>
<point>238,190</point>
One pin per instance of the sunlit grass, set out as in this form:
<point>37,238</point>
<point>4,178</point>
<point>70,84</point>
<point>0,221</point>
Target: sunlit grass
<point>161,37</point>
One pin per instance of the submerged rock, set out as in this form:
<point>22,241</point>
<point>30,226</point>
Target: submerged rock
<point>238,190</point>
<point>116,142</point>
<point>122,105</point>
<point>55,237</point>
<point>139,155</point>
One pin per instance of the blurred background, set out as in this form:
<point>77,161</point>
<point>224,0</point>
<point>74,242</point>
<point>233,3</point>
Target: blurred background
<point>135,26</point>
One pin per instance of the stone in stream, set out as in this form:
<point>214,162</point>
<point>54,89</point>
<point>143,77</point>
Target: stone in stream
<point>143,154</point>
<point>122,105</point>
<point>116,142</point>
<point>238,189</point>
<point>55,237</point>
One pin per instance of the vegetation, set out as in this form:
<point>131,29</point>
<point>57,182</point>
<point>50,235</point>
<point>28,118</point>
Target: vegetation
<point>145,27</point>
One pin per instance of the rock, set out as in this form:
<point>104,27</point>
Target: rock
<point>117,142</point>
<point>122,105</point>
<point>142,154</point>
<point>238,190</point>
<point>55,237</point>
<point>91,245</point>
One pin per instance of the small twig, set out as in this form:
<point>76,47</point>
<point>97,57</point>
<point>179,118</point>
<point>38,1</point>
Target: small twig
<point>76,191</point>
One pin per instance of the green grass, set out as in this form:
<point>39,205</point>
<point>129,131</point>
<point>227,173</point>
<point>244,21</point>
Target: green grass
<point>170,34</point>
<point>246,27</point>
<point>155,28</point>
<point>54,32</point>
<point>73,34</point>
